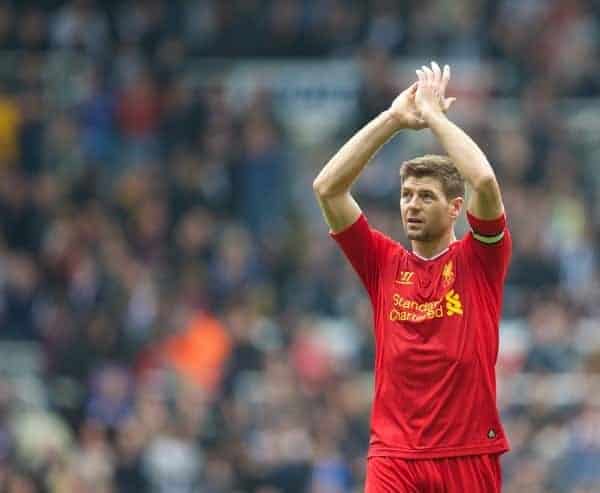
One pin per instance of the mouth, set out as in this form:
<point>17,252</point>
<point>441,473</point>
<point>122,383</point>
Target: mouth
<point>412,220</point>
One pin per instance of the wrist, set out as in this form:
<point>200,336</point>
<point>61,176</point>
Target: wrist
<point>393,121</point>
<point>434,117</point>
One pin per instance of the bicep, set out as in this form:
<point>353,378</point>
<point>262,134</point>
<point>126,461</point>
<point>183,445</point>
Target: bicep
<point>485,202</point>
<point>340,211</point>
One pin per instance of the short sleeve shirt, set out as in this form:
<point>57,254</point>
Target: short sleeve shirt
<point>435,323</point>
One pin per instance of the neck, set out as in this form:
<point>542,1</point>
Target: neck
<point>429,249</point>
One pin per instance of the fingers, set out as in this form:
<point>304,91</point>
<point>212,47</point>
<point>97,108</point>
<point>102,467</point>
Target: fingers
<point>445,79</point>
<point>421,77</point>
<point>436,79</point>
<point>436,72</point>
<point>434,75</point>
<point>429,77</point>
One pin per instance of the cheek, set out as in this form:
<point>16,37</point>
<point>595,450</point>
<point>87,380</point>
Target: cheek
<point>439,217</point>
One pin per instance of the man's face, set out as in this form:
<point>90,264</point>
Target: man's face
<point>426,212</point>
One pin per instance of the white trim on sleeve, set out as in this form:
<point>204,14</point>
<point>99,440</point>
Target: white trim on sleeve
<point>488,240</point>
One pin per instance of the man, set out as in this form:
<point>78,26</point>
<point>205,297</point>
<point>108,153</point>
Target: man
<point>436,309</point>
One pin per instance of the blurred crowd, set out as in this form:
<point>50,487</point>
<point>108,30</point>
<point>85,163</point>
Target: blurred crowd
<point>173,315</point>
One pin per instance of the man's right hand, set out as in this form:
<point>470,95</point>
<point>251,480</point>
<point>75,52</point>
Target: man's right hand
<point>405,112</point>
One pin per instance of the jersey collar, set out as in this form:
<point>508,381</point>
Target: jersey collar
<point>436,256</point>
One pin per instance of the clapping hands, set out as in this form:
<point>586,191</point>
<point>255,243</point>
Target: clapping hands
<point>424,99</point>
<point>430,96</point>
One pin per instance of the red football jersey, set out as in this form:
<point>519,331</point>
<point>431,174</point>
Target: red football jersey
<point>436,340</point>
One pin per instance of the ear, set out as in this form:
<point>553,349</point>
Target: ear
<point>455,207</point>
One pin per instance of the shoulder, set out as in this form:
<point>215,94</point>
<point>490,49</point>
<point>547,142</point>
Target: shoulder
<point>361,229</point>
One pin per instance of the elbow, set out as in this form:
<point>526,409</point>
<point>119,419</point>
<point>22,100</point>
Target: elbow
<point>327,185</point>
<point>485,182</point>
<point>321,188</point>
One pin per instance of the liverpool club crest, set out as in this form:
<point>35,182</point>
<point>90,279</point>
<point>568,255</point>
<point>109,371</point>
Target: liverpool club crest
<point>448,274</point>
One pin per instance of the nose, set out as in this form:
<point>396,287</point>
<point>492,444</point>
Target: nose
<point>414,204</point>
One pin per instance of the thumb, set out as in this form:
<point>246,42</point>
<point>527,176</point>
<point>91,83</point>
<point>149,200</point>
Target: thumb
<point>448,102</point>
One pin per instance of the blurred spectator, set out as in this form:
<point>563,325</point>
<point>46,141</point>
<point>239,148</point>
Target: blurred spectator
<point>8,25</point>
<point>33,30</point>
<point>138,113</point>
<point>96,113</point>
<point>80,25</point>
<point>10,122</point>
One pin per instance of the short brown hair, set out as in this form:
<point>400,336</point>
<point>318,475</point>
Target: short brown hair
<point>440,167</point>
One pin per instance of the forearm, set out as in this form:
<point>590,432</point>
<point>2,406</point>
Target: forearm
<point>485,201</point>
<point>466,155</point>
<point>344,167</point>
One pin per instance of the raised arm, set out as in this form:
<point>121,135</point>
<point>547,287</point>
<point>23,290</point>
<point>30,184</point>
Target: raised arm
<point>332,185</point>
<point>469,159</point>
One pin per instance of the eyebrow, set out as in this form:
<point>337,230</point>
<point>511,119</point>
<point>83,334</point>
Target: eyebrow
<point>410,189</point>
